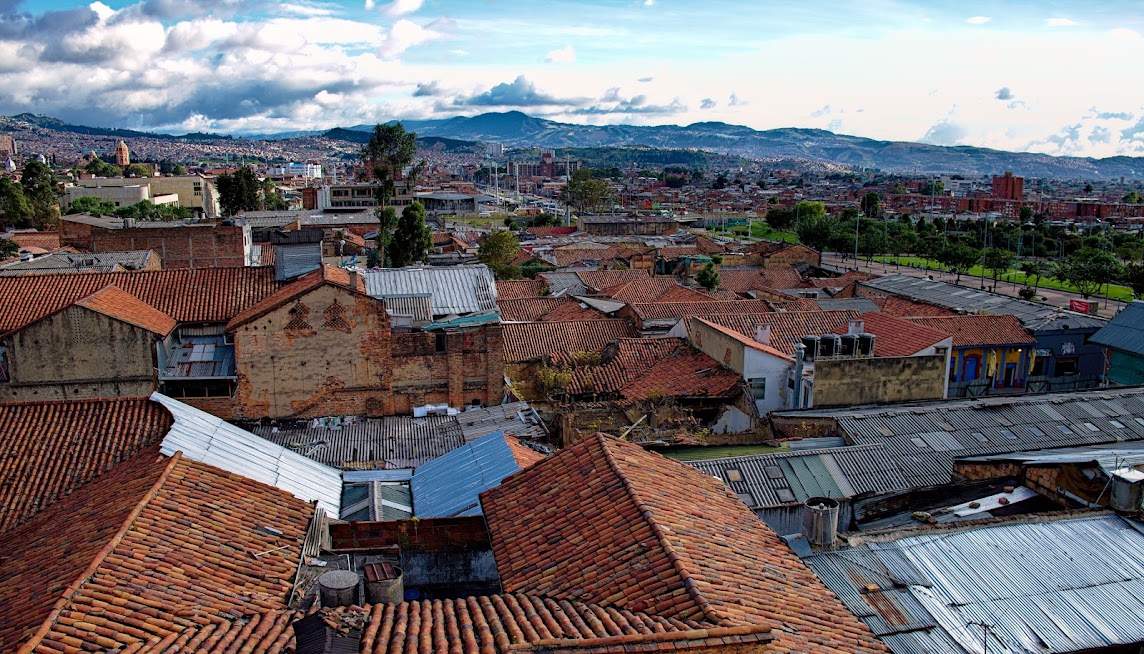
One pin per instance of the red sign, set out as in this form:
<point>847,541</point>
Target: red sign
<point>1083,306</point>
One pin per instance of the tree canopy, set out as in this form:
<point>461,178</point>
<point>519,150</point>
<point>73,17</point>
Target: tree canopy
<point>584,193</point>
<point>998,261</point>
<point>91,204</point>
<point>389,150</point>
<point>958,258</point>
<point>15,210</point>
<point>39,183</point>
<point>1087,270</point>
<point>708,277</point>
<point>413,237</point>
<point>240,191</point>
<point>498,251</point>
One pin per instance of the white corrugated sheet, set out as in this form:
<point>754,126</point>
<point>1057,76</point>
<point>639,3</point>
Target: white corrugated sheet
<point>455,289</point>
<point>207,439</point>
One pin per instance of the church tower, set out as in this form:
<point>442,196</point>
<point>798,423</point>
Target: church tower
<point>122,155</point>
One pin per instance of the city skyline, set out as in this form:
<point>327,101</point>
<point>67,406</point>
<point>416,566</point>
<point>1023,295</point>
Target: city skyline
<point>1037,77</point>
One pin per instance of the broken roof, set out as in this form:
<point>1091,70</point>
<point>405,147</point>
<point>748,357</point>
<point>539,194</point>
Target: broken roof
<point>649,368</point>
<point>527,341</point>
<point>606,521</point>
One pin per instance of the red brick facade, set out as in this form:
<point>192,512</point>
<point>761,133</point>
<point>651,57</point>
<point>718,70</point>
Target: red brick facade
<point>184,246</point>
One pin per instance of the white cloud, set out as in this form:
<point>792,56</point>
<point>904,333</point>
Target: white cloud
<point>402,7</point>
<point>649,3</point>
<point>1125,34</point>
<point>406,34</point>
<point>1059,22</point>
<point>565,55</point>
<point>978,20</point>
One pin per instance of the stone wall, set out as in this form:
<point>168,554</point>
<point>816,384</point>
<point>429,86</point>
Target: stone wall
<point>846,381</point>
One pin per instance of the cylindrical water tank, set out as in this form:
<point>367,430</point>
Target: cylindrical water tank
<point>849,345</point>
<point>338,588</point>
<point>829,345</point>
<point>384,584</point>
<point>820,521</point>
<point>866,345</point>
<point>811,343</point>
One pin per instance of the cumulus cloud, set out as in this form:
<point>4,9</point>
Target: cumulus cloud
<point>645,80</point>
<point>406,34</point>
<point>565,55</point>
<point>1100,135</point>
<point>518,93</point>
<point>1059,22</point>
<point>649,3</point>
<point>978,20</point>
<point>708,103</point>
<point>398,7</point>
<point>1112,115</point>
<point>428,90</point>
<point>821,111</point>
<point>944,132</point>
<point>736,101</point>
<point>1003,93</point>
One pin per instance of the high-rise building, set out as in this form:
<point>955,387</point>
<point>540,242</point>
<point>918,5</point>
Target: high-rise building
<point>122,155</point>
<point>1008,187</point>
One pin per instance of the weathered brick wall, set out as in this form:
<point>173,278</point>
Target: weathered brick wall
<point>878,380</point>
<point>790,256</point>
<point>177,246</point>
<point>295,361</point>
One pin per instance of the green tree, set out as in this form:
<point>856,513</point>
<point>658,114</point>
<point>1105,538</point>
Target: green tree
<point>1033,270</point>
<point>872,242</point>
<point>958,258</point>
<point>708,277</point>
<point>1088,188</point>
<point>8,248</point>
<point>899,189</point>
<point>1134,277</point>
<point>389,150</point>
<point>1026,215</point>
<point>498,251</point>
<point>998,261</point>
<point>15,210</point>
<point>545,220</point>
<point>271,201</point>
<point>40,188</point>
<point>240,191</point>
<point>780,218</point>
<point>584,192</point>
<point>413,237</point>
<point>137,170</point>
<point>91,204</point>
<point>179,169</point>
<point>872,204</point>
<point>1088,270</point>
<point>101,168</point>
<point>934,188</point>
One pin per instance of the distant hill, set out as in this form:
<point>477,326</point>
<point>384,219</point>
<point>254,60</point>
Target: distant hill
<point>516,129</point>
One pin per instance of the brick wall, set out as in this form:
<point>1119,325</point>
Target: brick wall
<point>177,246</point>
<point>878,380</point>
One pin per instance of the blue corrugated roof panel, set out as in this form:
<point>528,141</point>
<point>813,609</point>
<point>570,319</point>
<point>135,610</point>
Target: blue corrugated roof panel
<point>449,486</point>
<point>1126,331</point>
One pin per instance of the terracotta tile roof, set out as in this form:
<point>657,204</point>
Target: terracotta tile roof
<point>206,295</point>
<point>605,521</point>
<point>521,288</point>
<point>156,546</point>
<point>896,337</point>
<point>787,327</point>
<point>652,289</point>
<point>548,232</point>
<point>116,303</point>
<point>295,289</point>
<point>723,294</point>
<point>524,455</point>
<point>667,310</point>
<point>902,308</point>
<point>598,280</point>
<point>50,449</point>
<point>797,304</point>
<point>44,240</point>
<point>742,281</point>
<point>646,368</point>
<point>971,331</point>
<point>527,341</point>
<point>745,340</point>
<point>540,308</point>
<point>492,624</point>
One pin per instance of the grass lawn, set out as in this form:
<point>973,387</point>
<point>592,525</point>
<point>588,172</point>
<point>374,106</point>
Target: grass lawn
<point>718,451</point>
<point>761,230</point>
<point>1115,291</point>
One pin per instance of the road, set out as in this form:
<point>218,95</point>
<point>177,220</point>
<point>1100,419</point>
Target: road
<point>1053,297</point>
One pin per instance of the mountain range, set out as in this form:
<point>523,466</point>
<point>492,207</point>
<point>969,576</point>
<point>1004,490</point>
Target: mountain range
<point>516,129</point>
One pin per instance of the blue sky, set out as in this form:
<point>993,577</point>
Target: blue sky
<point>1054,77</point>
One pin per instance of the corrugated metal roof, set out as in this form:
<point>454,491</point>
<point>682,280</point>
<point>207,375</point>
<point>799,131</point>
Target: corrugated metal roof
<point>924,439</point>
<point>1124,332</point>
<point>564,283</point>
<point>204,438</point>
<point>454,289</point>
<point>450,486</point>
<point>295,260</point>
<point>418,306</point>
<point>788,477</point>
<point>514,419</point>
<point>1058,586</point>
<point>1032,315</point>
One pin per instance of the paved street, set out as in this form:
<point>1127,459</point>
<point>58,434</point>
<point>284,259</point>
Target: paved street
<point>1108,308</point>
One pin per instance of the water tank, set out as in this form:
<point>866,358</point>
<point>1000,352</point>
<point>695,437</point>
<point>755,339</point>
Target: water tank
<point>1126,495</point>
<point>849,345</point>
<point>820,521</point>
<point>338,588</point>
<point>811,343</point>
<point>866,345</point>
<point>384,584</point>
<point>829,345</point>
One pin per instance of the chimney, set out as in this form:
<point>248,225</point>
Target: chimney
<point>353,275</point>
<point>763,334</point>
<point>856,327</point>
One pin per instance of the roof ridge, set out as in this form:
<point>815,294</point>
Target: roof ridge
<point>648,515</point>
<point>32,643</point>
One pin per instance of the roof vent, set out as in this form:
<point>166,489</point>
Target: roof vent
<point>313,635</point>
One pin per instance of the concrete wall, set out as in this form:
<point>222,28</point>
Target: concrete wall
<point>195,191</point>
<point>299,360</point>
<point>198,246</point>
<point>122,196</point>
<point>878,380</point>
<point>79,353</point>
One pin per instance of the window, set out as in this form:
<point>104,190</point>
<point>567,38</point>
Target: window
<point>1091,427</point>
<point>1064,429</point>
<point>1036,431</point>
<point>733,474</point>
<point>1066,366</point>
<point>758,388</point>
<point>1117,424</point>
<point>441,343</point>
